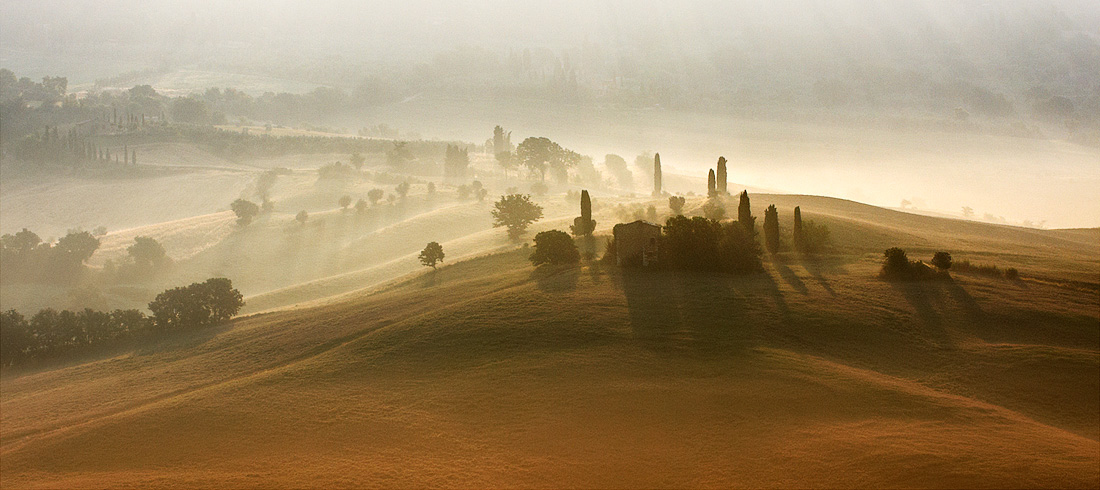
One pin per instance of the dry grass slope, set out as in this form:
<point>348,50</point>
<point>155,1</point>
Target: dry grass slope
<point>491,373</point>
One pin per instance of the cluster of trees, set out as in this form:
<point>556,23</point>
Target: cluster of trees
<point>540,155</point>
<point>24,257</point>
<point>702,244</point>
<point>50,333</point>
<point>897,266</point>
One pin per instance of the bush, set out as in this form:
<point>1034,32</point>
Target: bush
<point>554,247</point>
<point>942,260</point>
<point>1012,274</point>
<point>197,305</point>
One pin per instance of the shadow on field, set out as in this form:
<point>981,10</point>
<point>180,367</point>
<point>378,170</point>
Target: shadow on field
<point>925,297</point>
<point>693,310</point>
<point>556,278</point>
<point>791,278</point>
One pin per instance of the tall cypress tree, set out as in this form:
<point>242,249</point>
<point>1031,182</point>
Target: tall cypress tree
<point>710,184</point>
<point>722,175</point>
<point>584,225</point>
<point>797,230</point>
<point>744,214</point>
<point>771,229</point>
<point>657,175</point>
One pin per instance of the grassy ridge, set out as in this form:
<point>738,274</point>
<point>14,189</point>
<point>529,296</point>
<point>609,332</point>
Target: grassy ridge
<point>490,372</point>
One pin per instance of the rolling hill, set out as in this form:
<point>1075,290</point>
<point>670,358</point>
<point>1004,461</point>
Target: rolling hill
<point>489,372</point>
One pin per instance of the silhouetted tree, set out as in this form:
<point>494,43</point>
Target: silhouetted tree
<point>942,261</point>
<point>744,214</point>
<point>554,247</point>
<point>516,212</point>
<point>676,204</point>
<point>344,202</point>
<point>197,305</point>
<point>896,265</point>
<point>360,206</point>
<point>796,230</point>
<point>431,254</point>
<point>431,188</point>
<point>721,177</point>
<point>302,217</point>
<point>698,243</point>
<point>771,229</point>
<point>402,189</point>
<point>711,190</point>
<point>584,225</point>
<point>245,211</point>
<point>656,175</point>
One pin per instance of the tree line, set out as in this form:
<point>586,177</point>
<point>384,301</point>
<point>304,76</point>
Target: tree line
<point>51,333</point>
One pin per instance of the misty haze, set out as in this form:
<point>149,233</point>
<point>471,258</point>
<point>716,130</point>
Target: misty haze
<point>794,244</point>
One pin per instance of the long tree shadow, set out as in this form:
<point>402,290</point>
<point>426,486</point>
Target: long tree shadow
<point>556,278</point>
<point>791,278</point>
<point>923,296</point>
<point>818,267</point>
<point>676,311</point>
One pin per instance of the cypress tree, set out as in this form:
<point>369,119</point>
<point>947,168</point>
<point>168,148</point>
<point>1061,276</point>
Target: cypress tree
<point>584,225</point>
<point>797,230</point>
<point>771,229</point>
<point>710,184</point>
<point>133,157</point>
<point>656,175</point>
<point>744,214</point>
<point>126,154</point>
<point>722,176</point>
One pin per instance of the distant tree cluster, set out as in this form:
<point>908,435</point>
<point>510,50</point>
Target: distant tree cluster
<point>24,257</point>
<point>50,333</point>
<point>896,266</point>
<point>540,155</point>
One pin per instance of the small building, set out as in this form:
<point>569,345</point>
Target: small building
<point>636,243</point>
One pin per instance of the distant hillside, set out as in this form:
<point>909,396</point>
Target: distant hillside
<point>489,372</point>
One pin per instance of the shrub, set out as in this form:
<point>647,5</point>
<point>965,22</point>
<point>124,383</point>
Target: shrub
<point>301,217</point>
<point>942,260</point>
<point>344,201</point>
<point>713,210</point>
<point>897,266</point>
<point>1012,274</point>
<point>554,247</point>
